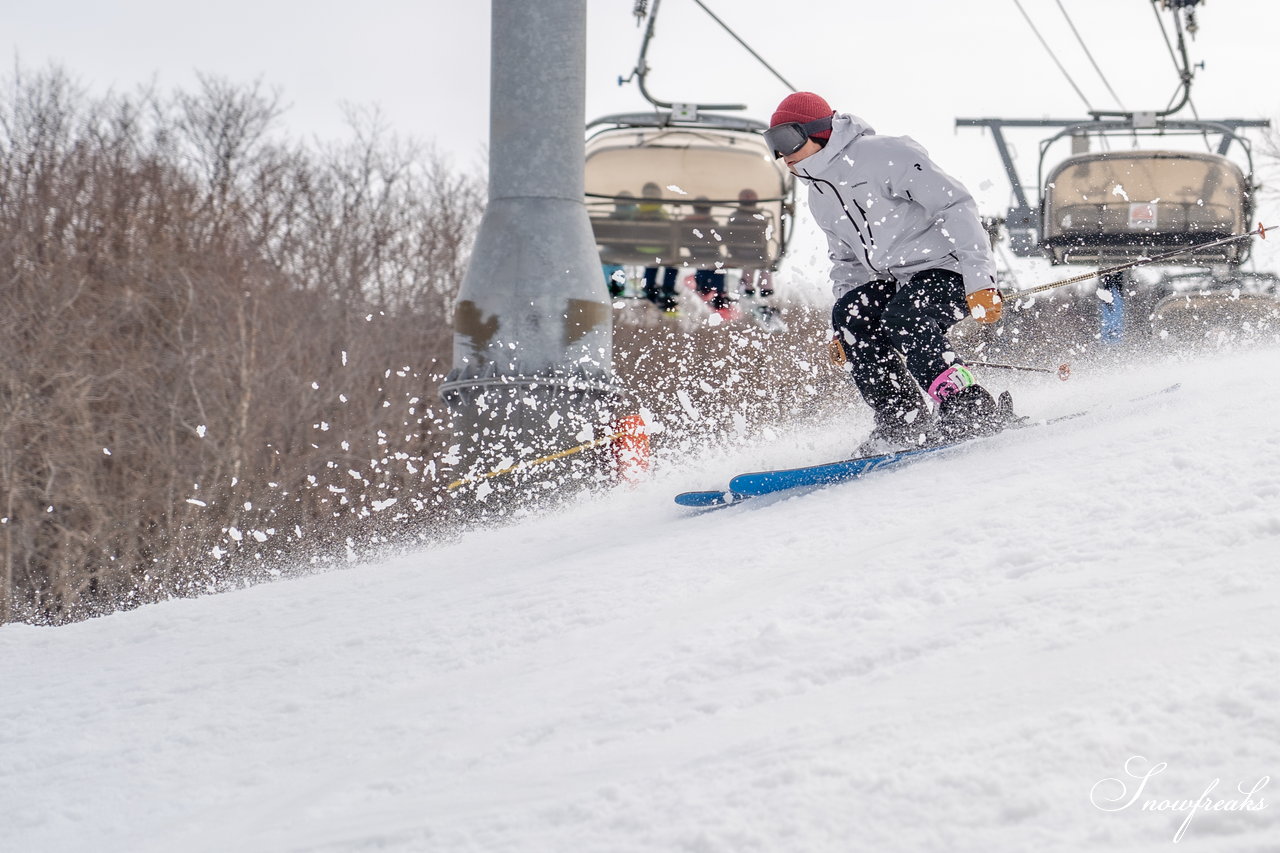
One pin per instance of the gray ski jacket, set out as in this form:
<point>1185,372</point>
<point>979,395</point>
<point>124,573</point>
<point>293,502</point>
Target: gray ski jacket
<point>889,212</point>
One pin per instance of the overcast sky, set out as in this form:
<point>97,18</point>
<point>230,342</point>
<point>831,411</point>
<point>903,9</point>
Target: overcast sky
<point>907,66</point>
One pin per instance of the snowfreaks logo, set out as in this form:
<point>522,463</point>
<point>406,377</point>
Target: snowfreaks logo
<point>1113,795</point>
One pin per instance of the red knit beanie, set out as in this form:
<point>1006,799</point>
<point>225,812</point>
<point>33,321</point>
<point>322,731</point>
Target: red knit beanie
<point>802,107</point>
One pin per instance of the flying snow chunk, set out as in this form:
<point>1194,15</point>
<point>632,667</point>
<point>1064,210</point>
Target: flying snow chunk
<point>686,403</point>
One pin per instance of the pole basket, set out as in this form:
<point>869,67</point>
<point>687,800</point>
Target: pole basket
<point>631,451</point>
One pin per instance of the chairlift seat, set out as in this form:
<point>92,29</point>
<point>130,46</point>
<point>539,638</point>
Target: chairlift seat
<point>703,243</point>
<point>629,241</point>
<point>749,242</point>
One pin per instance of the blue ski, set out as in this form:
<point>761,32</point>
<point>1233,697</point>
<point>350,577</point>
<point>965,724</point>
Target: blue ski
<point>766,482</point>
<point>708,499</point>
<point>758,483</point>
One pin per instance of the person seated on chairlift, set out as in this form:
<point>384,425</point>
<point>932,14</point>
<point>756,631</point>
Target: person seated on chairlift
<point>652,208</point>
<point>751,223</point>
<point>615,277</point>
<point>704,251</point>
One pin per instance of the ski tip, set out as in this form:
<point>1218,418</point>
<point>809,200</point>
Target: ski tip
<point>708,499</point>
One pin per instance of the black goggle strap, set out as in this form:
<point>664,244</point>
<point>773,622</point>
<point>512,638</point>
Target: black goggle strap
<point>789,138</point>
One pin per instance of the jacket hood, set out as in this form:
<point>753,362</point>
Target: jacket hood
<point>846,129</point>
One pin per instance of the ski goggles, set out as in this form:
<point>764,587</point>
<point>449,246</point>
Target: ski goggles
<point>788,138</point>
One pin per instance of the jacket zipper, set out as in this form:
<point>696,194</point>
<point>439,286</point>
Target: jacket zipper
<point>866,252</point>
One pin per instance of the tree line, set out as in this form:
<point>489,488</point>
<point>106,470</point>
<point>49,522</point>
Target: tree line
<point>218,346</point>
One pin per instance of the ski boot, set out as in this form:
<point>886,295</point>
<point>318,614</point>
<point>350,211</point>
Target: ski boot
<point>973,413</point>
<point>897,429</point>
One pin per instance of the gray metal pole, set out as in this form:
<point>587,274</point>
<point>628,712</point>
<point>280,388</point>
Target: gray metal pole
<point>533,333</point>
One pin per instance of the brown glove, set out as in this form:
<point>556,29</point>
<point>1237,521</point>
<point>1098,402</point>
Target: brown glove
<point>985,305</point>
<point>835,351</point>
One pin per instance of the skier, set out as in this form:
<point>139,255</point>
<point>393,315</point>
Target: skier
<point>910,258</point>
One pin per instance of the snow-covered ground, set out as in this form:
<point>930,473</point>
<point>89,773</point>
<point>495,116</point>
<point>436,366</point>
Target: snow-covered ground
<point>952,656</point>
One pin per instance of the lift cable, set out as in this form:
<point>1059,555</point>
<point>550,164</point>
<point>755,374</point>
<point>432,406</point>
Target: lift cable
<point>1052,55</point>
<point>1089,54</point>
<point>737,38</point>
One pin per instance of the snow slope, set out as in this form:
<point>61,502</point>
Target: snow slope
<point>951,656</point>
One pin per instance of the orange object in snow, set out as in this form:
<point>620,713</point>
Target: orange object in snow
<point>631,448</point>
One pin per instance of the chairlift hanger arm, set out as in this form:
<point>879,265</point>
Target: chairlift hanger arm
<point>642,66</point>
<point>1184,67</point>
<point>1181,60</point>
<point>642,70</point>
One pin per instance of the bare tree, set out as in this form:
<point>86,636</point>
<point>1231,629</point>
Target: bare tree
<point>217,345</point>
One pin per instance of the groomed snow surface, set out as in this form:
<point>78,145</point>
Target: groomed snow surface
<point>951,656</point>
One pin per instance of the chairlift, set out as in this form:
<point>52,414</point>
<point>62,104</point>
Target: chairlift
<point>699,193</point>
<point>1110,206</point>
<point>1107,207</point>
<point>684,185</point>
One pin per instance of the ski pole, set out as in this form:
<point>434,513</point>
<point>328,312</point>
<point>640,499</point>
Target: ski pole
<point>550,457</point>
<point>1260,231</point>
<point>630,434</point>
<point>1063,371</point>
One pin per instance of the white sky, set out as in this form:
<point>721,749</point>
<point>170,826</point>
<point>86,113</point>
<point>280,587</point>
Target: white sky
<point>907,66</point>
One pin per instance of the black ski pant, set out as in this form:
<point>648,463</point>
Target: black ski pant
<point>666,298</point>
<point>881,323</point>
